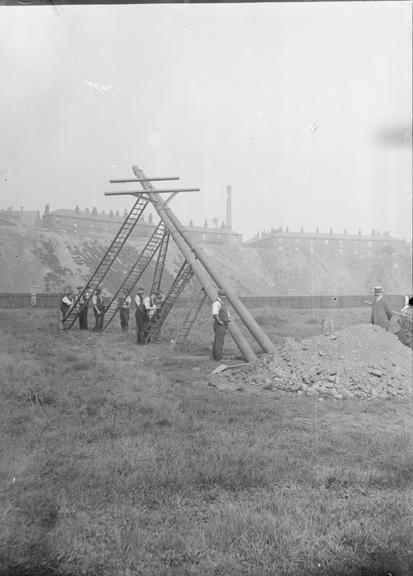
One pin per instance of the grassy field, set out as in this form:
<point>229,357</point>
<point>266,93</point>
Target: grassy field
<point>122,460</point>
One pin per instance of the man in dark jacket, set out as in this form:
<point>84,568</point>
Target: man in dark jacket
<point>221,318</point>
<point>140,316</point>
<point>380,310</point>
<point>83,308</point>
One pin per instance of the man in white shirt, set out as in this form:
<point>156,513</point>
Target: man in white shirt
<point>124,303</point>
<point>221,318</point>
<point>66,303</point>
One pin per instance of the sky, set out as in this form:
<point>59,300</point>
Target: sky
<point>305,109</point>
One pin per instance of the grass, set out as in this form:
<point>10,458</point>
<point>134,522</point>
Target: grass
<point>122,460</point>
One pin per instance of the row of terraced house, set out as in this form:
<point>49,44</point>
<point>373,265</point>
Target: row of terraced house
<point>90,221</point>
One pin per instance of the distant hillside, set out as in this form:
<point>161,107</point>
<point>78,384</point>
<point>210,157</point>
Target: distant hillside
<point>36,257</point>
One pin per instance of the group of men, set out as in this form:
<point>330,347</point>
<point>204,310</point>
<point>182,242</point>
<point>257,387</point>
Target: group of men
<point>398,323</point>
<point>83,300</point>
<point>146,308</point>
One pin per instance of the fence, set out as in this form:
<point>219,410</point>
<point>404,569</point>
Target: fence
<point>27,300</point>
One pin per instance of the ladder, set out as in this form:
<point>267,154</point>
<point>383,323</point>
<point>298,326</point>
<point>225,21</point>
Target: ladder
<point>107,260</point>
<point>160,263</point>
<point>152,246</point>
<point>182,278</point>
<point>191,316</point>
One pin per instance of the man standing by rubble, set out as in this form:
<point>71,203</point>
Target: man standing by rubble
<point>380,310</point>
<point>98,310</point>
<point>221,318</point>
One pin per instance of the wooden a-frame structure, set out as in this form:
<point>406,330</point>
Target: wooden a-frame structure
<point>196,265</point>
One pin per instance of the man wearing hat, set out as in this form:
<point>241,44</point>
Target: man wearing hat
<point>221,318</point>
<point>380,310</point>
<point>98,310</point>
<point>83,308</point>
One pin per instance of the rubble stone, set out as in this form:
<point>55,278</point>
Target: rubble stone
<point>363,362</point>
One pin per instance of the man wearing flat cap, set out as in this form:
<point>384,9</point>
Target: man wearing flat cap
<point>98,310</point>
<point>380,309</point>
<point>221,318</point>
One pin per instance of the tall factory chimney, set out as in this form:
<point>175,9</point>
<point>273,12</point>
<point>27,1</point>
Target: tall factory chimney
<point>229,208</point>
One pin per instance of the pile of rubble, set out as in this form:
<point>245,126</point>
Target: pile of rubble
<point>363,361</point>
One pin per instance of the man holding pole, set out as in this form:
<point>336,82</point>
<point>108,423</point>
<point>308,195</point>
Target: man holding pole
<point>221,318</point>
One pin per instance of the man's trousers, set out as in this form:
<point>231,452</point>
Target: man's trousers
<point>218,346</point>
<point>141,322</point>
<point>124,319</point>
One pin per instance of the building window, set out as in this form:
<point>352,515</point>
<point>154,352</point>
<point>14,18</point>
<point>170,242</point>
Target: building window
<point>204,236</point>
<point>325,241</point>
<point>280,239</point>
<point>296,241</point>
<point>370,244</point>
<point>280,248</point>
<point>340,250</point>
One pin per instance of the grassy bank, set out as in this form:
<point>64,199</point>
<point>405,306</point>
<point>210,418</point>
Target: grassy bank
<point>117,460</point>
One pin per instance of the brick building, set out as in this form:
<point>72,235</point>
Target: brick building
<point>90,221</point>
<point>27,218</point>
<point>214,235</point>
<point>354,244</point>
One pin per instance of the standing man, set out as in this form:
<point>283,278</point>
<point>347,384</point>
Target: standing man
<point>98,310</point>
<point>124,303</point>
<point>380,310</point>
<point>151,306</point>
<point>83,308</point>
<point>140,316</point>
<point>66,303</point>
<point>221,318</point>
<point>406,324</point>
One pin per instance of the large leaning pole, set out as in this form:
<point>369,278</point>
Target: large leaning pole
<point>205,272</point>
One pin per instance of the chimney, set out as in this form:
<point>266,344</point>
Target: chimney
<point>229,208</point>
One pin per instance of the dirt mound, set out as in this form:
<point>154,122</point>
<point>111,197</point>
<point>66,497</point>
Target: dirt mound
<point>363,361</point>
